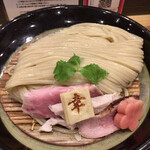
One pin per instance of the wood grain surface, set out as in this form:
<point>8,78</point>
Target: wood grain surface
<point>142,19</point>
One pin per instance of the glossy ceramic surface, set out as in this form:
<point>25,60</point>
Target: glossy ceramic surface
<point>24,28</point>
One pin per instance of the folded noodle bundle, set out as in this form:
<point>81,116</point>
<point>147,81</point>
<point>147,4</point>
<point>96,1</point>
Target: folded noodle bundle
<point>112,48</point>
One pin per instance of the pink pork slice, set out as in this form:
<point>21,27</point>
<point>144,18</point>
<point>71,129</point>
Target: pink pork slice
<point>97,127</point>
<point>99,104</point>
<point>36,102</point>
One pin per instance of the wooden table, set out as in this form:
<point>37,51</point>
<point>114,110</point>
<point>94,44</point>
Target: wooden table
<point>142,19</point>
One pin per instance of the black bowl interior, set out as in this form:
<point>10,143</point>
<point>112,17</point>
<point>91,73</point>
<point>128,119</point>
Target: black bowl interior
<point>23,28</point>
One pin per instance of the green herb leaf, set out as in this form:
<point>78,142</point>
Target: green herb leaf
<point>64,71</point>
<point>75,60</point>
<point>94,73</point>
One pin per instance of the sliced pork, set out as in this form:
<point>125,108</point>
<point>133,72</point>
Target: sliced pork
<point>47,126</point>
<point>36,102</point>
<point>99,104</point>
<point>97,127</point>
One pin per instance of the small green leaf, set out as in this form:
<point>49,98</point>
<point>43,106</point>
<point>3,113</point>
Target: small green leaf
<point>64,71</point>
<point>94,73</point>
<point>75,60</point>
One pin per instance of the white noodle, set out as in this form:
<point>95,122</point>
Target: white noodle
<point>112,48</point>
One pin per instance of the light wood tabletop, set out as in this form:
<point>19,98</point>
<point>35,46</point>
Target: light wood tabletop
<point>142,19</point>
